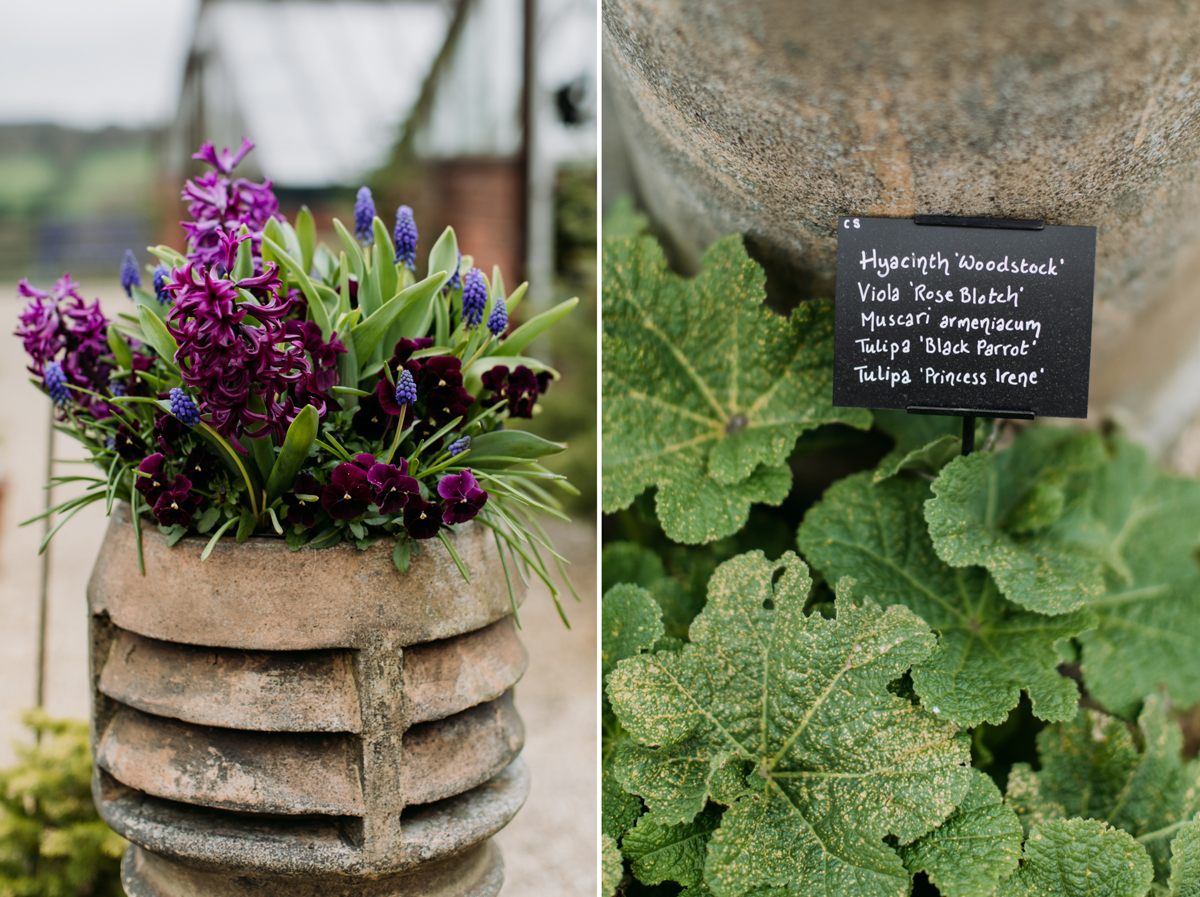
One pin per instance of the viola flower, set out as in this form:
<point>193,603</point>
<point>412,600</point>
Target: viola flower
<point>474,299</point>
<point>168,430</point>
<point>520,388</point>
<point>56,383</point>
<point>464,499</point>
<point>405,236</point>
<point>394,488</point>
<point>184,408</point>
<point>161,273</point>
<point>303,511</point>
<point>421,518</point>
<point>406,347</point>
<point>364,214</point>
<point>460,446</point>
<point>349,494</point>
<point>176,504</point>
<point>128,444</point>
<point>152,479</point>
<point>370,421</point>
<point>200,466</point>
<point>498,319</point>
<point>130,275</point>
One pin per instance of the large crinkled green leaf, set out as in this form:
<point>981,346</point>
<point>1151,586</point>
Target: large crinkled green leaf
<point>972,850</point>
<point>619,810</point>
<point>611,867</point>
<point>1185,861</point>
<point>1024,514</point>
<point>787,719</point>
<point>924,442</point>
<point>1093,767</point>
<point>989,649</point>
<point>1148,621</point>
<point>630,562</point>
<point>704,390</point>
<point>670,852</point>
<point>630,622</point>
<point>1080,858</point>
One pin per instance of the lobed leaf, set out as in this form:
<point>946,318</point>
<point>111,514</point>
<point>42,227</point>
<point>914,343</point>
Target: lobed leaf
<point>630,622</point>
<point>989,649</point>
<point>611,868</point>
<point>703,389</point>
<point>670,852</point>
<point>1185,861</point>
<point>1080,858</point>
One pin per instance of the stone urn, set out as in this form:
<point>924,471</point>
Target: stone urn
<point>309,723</point>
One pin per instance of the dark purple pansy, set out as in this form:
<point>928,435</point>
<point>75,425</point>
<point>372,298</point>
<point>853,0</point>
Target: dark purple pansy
<point>168,430</point>
<point>200,467</point>
<point>405,348</point>
<point>349,493</point>
<point>303,511</point>
<point>421,518</point>
<point>393,487</point>
<point>128,444</point>
<point>176,504</point>
<point>151,480</point>
<point>370,420</point>
<point>462,495</point>
<point>520,388</point>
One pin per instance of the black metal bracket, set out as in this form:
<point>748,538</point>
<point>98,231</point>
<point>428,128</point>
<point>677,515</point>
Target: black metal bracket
<point>997,223</point>
<point>968,415</point>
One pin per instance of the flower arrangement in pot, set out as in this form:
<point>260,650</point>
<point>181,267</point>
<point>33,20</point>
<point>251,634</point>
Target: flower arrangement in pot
<point>267,384</point>
<point>314,701</point>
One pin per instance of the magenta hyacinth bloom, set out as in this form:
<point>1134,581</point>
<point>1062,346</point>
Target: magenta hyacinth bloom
<point>349,494</point>
<point>421,518</point>
<point>176,504</point>
<point>394,488</point>
<point>463,497</point>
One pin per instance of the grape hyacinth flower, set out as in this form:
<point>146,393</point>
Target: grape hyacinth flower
<point>364,214</point>
<point>184,408</point>
<point>460,446</point>
<point>406,389</point>
<point>405,236</point>
<point>464,499</point>
<point>498,319</point>
<point>56,383</point>
<point>161,273</point>
<point>474,299</point>
<point>130,276</point>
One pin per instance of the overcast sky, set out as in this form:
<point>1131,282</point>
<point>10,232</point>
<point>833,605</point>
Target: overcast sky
<point>92,63</point>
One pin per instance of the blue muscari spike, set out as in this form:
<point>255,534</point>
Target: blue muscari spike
<point>474,298</point>
<point>405,236</point>
<point>364,214</point>
<point>161,272</point>
<point>55,379</point>
<point>130,276</point>
<point>406,389</point>
<point>498,319</point>
<point>184,408</point>
<point>460,446</point>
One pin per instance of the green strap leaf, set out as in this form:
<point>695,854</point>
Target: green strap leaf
<point>516,444</point>
<point>367,333</point>
<point>531,329</point>
<point>120,348</point>
<point>444,256</point>
<point>306,232</point>
<point>317,310</point>
<point>158,336</point>
<point>301,434</point>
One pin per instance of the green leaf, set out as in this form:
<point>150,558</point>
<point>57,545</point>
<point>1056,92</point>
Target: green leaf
<point>991,510</point>
<point>306,233</point>
<point>301,434</point>
<point>1185,861</point>
<point>1148,630</point>
<point>924,442</point>
<point>619,809</point>
<point>703,387</point>
<point>443,257</point>
<point>629,562</point>
<point>972,850</point>
<point>630,622</point>
<point>367,333</point>
<point>670,852</point>
<point>510,444</point>
<point>243,265</point>
<point>145,299</point>
<point>516,341</point>
<point>611,867</point>
<point>318,310</point>
<point>353,250</point>
<point>246,524</point>
<point>208,519</point>
<point>157,334</point>
<point>989,649</point>
<point>1092,767</point>
<point>838,761</point>
<point>382,255</point>
<point>120,348</point>
<point>1080,858</point>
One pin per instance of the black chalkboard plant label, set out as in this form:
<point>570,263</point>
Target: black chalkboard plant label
<point>979,319</point>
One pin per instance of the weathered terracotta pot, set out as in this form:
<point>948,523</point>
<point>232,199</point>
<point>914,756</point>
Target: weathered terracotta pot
<point>309,723</point>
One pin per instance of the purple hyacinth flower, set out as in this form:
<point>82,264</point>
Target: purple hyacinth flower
<point>152,480</point>
<point>130,275</point>
<point>176,504</point>
<point>498,319</point>
<point>406,389</point>
<point>460,446</point>
<point>474,298</point>
<point>161,273</point>
<point>405,236</point>
<point>364,214</point>
<point>421,518</point>
<point>56,383</point>
<point>464,499</point>
<point>393,487</point>
<point>184,408</point>
<point>349,494</point>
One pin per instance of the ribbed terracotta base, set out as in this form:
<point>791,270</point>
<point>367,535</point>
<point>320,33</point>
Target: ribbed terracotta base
<point>477,872</point>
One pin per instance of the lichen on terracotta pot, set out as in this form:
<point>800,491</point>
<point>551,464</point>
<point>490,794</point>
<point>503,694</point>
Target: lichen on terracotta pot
<point>349,727</point>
